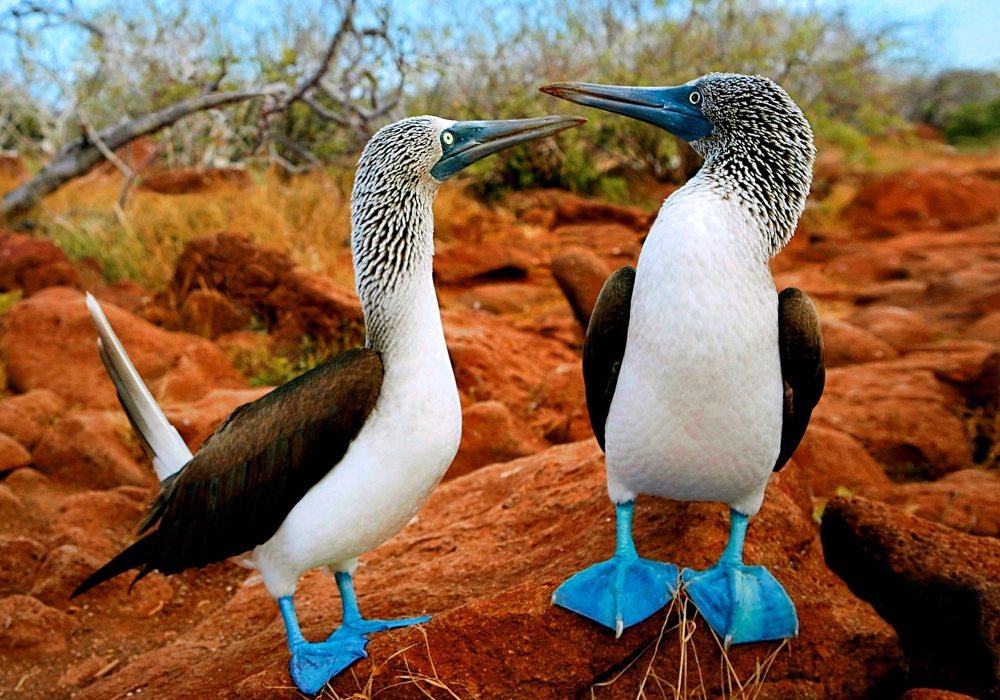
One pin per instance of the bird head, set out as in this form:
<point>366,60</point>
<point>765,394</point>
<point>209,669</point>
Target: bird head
<point>757,144</point>
<point>429,150</point>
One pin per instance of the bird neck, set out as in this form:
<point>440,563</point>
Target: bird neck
<point>392,241</point>
<point>768,178</point>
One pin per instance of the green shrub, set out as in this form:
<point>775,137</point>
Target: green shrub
<point>973,122</point>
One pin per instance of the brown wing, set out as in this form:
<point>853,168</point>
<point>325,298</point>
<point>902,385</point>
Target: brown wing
<point>252,471</point>
<point>604,346</point>
<point>801,346</point>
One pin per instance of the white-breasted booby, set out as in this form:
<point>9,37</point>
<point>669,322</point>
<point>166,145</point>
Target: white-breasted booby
<point>332,464</point>
<point>700,377</point>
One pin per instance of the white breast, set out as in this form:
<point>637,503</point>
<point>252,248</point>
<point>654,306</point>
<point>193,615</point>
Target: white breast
<point>390,469</point>
<point>697,412</point>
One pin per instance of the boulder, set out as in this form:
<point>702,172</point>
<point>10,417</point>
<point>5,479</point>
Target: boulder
<point>209,313</point>
<point>831,461</point>
<point>30,628</point>
<point>505,297</point>
<point>490,434</point>
<point>30,264</point>
<point>489,261</point>
<point>898,327</point>
<point>485,555</point>
<point>923,200</point>
<point>63,569</point>
<point>261,281</point>
<point>13,512</point>
<point>21,557</point>
<point>52,330</point>
<point>933,694</point>
<point>197,420</point>
<point>26,416</point>
<point>970,367</point>
<point>939,588</point>
<point>12,454</point>
<point>967,500</point>
<point>847,344</point>
<point>986,328</point>
<point>619,244</point>
<point>901,415</point>
<point>85,448</point>
<point>192,180</point>
<point>496,360</point>
<point>581,274</point>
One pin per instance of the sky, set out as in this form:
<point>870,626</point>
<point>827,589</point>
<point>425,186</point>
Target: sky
<point>969,30</point>
<point>963,33</point>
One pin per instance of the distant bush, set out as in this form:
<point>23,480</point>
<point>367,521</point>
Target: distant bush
<point>972,122</point>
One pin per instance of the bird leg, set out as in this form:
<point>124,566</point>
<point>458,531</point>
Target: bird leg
<point>741,603</point>
<point>314,664</point>
<point>623,590</point>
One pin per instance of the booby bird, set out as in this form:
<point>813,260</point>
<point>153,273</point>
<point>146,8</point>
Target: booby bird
<point>335,462</point>
<point>701,378</point>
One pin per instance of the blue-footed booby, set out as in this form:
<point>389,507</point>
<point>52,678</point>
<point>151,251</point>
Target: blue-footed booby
<point>700,377</point>
<point>334,463</point>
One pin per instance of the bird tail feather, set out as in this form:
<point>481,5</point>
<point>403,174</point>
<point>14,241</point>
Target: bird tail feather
<point>159,438</point>
<point>134,556</point>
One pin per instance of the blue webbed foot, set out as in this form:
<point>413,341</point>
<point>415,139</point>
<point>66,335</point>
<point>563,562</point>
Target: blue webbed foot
<point>623,590</point>
<point>314,664</point>
<point>741,603</point>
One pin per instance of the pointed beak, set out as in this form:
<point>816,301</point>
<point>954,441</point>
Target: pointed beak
<point>670,108</point>
<point>474,140</point>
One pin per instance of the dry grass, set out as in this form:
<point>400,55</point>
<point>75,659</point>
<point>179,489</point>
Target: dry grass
<point>308,217</point>
<point>687,681</point>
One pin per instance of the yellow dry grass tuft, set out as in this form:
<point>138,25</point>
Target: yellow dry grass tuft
<point>686,681</point>
<point>307,216</point>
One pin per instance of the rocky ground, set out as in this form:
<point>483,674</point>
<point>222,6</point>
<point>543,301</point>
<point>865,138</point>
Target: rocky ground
<point>882,528</point>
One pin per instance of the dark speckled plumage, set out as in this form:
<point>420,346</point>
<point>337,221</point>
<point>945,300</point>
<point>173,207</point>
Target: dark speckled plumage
<point>252,471</point>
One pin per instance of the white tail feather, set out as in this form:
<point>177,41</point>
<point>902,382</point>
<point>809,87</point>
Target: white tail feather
<point>161,440</point>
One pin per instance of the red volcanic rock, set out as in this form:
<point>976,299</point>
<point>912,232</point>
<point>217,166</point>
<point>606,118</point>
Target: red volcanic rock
<point>581,275</point>
<point>61,572</point>
<point>562,405</point>
<point>933,694</point>
<point>986,328</point>
<point>100,522</point>
<point>971,367</point>
<point>831,461</point>
<point>263,281</point>
<point>26,416</point>
<point>31,264</point>
<point>13,512</point>
<point>21,557</point>
<point>505,297</point>
<point>495,360</point>
<point>900,414</point>
<point>192,180</point>
<point>847,344</point>
<point>572,209</point>
<point>209,314</point>
<point>939,588</point>
<point>196,421</point>
<point>898,327</point>
<point>490,434</point>
<point>84,448</point>
<point>484,557</point>
<point>967,500</point>
<point>53,331</point>
<point>619,244</point>
<point>923,200</point>
<point>12,454</point>
<point>872,265</point>
<point>488,261</point>
<point>31,628</point>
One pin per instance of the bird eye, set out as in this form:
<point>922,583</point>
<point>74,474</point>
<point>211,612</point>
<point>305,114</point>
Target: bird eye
<point>448,138</point>
<point>694,98</point>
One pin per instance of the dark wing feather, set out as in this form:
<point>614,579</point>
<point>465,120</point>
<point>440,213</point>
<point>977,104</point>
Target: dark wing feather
<point>252,471</point>
<point>800,343</point>
<point>604,346</point>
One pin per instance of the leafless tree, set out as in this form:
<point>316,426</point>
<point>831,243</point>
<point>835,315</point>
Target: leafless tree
<point>344,84</point>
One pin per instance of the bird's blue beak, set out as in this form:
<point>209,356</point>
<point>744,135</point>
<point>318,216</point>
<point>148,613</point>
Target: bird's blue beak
<point>674,109</point>
<point>466,142</point>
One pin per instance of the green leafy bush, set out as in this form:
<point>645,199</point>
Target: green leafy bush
<point>974,122</point>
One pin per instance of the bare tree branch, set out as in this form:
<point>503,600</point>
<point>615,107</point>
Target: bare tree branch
<point>79,156</point>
